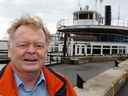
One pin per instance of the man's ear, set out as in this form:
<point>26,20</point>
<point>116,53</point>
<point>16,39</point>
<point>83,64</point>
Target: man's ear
<point>9,55</point>
<point>9,50</point>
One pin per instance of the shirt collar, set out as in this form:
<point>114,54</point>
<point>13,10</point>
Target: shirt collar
<point>19,82</point>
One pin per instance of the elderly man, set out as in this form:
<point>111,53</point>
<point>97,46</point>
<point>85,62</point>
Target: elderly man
<point>26,74</point>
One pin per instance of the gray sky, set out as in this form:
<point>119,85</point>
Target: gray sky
<point>50,10</point>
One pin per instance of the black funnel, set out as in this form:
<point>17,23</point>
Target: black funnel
<point>107,15</point>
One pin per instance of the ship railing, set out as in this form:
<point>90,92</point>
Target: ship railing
<point>54,57</point>
<point>70,22</point>
<point>116,22</point>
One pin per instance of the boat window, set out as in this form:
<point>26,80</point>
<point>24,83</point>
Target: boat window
<point>114,46</point>
<point>96,46</point>
<point>106,46</point>
<point>78,49</point>
<point>83,16</point>
<point>90,16</point>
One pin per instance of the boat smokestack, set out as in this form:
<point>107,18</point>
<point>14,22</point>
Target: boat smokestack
<point>107,15</point>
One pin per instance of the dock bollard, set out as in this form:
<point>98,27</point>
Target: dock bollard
<point>80,82</point>
<point>116,63</point>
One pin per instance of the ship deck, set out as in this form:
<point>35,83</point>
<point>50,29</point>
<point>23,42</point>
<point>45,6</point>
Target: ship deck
<point>93,29</point>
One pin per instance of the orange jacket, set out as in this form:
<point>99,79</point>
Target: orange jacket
<point>56,84</point>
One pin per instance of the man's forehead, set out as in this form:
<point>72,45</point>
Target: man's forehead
<point>24,31</point>
<point>28,41</point>
<point>32,26</point>
<point>25,28</point>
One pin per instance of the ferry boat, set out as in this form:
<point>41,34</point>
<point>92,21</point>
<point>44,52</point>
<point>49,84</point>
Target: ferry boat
<point>89,33</point>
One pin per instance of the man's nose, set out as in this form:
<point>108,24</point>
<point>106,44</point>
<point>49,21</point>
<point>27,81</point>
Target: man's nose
<point>31,49</point>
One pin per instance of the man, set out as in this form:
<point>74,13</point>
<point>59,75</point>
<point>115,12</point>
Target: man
<point>26,74</point>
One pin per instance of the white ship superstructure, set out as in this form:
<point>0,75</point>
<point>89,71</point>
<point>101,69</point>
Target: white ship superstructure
<point>88,33</point>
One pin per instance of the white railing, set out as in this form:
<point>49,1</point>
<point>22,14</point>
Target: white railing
<point>70,22</point>
<point>120,23</point>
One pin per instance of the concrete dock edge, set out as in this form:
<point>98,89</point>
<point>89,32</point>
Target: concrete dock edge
<point>106,83</point>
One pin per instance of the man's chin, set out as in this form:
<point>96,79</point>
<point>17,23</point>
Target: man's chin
<point>31,68</point>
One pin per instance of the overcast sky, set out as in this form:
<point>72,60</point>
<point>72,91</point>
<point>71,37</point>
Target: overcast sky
<point>51,10</point>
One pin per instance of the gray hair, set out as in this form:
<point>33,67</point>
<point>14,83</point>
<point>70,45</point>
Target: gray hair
<point>29,20</point>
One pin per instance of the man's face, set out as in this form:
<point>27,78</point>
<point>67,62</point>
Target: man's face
<point>28,48</point>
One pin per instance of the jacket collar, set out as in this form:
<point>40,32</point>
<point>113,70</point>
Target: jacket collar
<point>8,83</point>
<point>54,83</point>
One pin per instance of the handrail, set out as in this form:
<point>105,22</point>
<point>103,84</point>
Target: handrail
<point>69,22</point>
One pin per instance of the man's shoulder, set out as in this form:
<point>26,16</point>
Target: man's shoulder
<point>2,70</point>
<point>67,87</point>
<point>56,74</point>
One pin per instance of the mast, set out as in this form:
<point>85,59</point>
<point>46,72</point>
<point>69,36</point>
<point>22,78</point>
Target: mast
<point>118,18</point>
